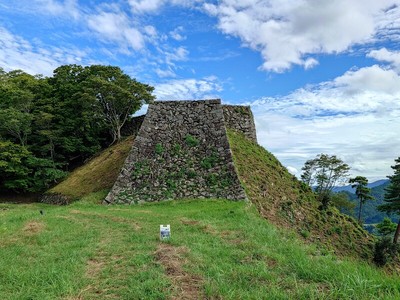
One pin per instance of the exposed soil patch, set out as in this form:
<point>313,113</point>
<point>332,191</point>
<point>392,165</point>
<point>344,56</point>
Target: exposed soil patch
<point>94,267</point>
<point>186,285</point>
<point>186,221</point>
<point>271,262</point>
<point>33,227</point>
<point>210,230</point>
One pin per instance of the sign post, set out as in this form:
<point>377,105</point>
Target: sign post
<point>165,232</point>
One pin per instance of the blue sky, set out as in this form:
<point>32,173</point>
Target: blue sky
<point>320,76</point>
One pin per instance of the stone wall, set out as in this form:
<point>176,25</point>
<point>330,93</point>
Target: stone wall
<point>181,151</point>
<point>131,127</point>
<point>240,118</point>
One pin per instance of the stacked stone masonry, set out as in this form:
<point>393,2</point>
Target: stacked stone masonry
<point>240,118</point>
<point>182,151</point>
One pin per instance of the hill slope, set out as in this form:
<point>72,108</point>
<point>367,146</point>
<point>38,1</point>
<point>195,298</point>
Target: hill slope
<point>98,174</point>
<point>285,201</point>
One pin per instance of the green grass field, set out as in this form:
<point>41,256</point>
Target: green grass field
<point>218,250</point>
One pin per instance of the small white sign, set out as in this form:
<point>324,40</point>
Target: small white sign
<point>165,232</point>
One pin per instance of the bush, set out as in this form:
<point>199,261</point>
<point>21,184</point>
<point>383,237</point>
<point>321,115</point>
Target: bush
<point>385,251</point>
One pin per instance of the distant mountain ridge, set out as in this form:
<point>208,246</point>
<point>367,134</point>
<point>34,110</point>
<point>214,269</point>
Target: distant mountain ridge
<point>348,188</point>
<point>370,213</point>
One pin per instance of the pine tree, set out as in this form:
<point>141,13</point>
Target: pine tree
<point>362,191</point>
<point>392,196</point>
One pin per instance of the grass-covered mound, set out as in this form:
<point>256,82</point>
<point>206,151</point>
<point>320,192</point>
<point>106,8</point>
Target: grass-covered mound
<point>285,201</point>
<point>278,195</point>
<point>219,250</point>
<point>98,174</point>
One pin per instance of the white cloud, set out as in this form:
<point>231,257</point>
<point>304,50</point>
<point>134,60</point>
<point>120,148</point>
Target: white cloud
<point>292,170</point>
<point>391,57</point>
<point>154,6</point>
<point>176,34</point>
<point>286,33</point>
<point>143,6</point>
<point>150,31</point>
<point>60,8</point>
<point>373,79</point>
<point>361,127</point>
<point>186,89</point>
<point>18,53</point>
<point>165,73</point>
<point>178,54</point>
<point>116,27</point>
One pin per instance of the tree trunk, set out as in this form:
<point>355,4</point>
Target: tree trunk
<point>119,134</point>
<point>359,212</point>
<point>397,233</point>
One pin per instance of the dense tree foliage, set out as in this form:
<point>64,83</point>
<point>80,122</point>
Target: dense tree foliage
<point>363,193</point>
<point>386,227</point>
<point>392,196</point>
<point>323,173</point>
<point>342,201</point>
<point>50,125</point>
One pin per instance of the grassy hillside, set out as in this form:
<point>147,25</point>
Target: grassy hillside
<point>285,201</point>
<point>98,174</point>
<point>218,250</point>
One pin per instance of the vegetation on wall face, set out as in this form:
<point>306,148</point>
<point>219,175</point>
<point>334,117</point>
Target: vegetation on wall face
<point>51,125</point>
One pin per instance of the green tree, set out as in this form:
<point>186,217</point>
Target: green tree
<point>363,193</point>
<point>17,95</point>
<point>76,131</point>
<point>323,173</point>
<point>392,196</point>
<point>341,201</point>
<point>386,227</point>
<point>13,172</point>
<point>117,95</point>
<point>15,123</point>
<point>21,171</point>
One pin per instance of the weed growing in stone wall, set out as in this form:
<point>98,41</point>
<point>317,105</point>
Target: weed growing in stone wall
<point>242,110</point>
<point>191,141</point>
<point>191,173</point>
<point>159,149</point>
<point>226,180</point>
<point>176,149</point>
<point>209,161</point>
<point>212,179</point>
<point>141,168</point>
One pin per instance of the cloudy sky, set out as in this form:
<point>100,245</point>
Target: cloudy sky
<point>321,76</point>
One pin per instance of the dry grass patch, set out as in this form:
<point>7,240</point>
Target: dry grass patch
<point>33,227</point>
<point>94,267</point>
<point>186,285</point>
<point>186,221</point>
